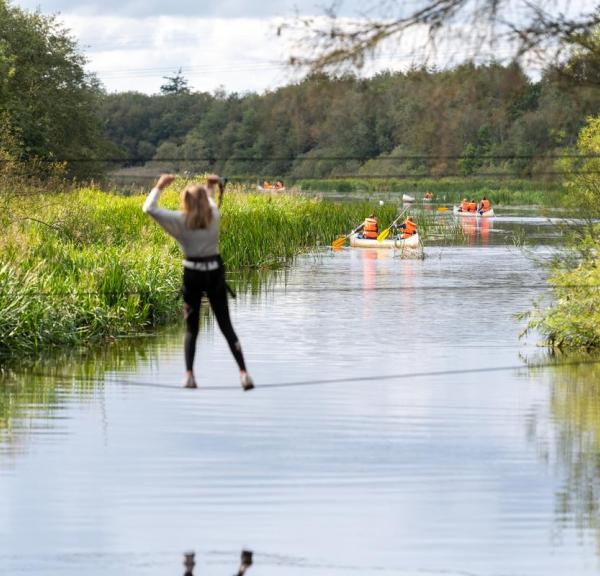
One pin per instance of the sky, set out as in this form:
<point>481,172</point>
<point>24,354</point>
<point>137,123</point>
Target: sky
<point>133,44</point>
<point>230,44</point>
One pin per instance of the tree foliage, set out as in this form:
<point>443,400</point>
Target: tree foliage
<point>45,94</point>
<point>465,121</point>
<point>176,84</point>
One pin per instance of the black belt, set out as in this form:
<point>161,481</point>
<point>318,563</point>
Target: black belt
<point>207,264</point>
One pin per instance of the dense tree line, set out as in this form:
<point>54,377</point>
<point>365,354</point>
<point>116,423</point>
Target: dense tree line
<point>468,120</point>
<point>48,104</point>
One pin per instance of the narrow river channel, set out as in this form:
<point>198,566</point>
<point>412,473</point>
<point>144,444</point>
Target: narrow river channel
<point>376,442</point>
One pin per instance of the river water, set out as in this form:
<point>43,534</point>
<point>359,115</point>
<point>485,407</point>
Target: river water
<point>376,442</point>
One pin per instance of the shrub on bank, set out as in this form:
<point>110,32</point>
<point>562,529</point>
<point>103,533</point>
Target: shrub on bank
<point>572,321</point>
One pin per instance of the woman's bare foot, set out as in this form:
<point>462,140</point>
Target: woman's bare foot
<point>246,381</point>
<point>190,381</point>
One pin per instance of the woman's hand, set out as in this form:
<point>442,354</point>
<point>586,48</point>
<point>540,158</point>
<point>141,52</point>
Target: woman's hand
<point>164,181</point>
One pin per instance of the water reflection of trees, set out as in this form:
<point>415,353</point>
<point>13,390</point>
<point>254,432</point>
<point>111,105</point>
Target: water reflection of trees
<point>32,393</point>
<point>575,413</point>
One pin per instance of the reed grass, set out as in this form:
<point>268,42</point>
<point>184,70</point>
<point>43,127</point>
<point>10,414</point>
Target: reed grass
<point>87,265</point>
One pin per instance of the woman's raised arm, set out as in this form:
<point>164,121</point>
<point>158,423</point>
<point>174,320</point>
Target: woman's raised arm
<point>168,219</point>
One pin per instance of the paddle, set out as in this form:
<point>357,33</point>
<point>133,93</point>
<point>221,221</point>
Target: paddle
<point>442,209</point>
<point>383,235</point>
<point>339,242</point>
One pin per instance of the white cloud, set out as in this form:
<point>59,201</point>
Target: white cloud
<point>239,53</point>
<point>134,54</point>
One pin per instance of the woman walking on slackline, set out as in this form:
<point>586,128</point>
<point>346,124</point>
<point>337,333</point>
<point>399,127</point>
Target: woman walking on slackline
<point>196,228</point>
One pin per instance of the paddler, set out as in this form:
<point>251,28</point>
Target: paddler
<point>408,227</point>
<point>370,227</point>
<point>464,205</point>
<point>485,205</point>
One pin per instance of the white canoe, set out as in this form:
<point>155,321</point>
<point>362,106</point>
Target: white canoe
<point>487,214</point>
<point>407,198</point>
<point>261,189</point>
<point>410,243</point>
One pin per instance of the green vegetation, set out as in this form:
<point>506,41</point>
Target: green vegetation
<point>86,265</point>
<point>448,190</point>
<point>572,322</point>
<point>47,99</point>
<point>465,122</point>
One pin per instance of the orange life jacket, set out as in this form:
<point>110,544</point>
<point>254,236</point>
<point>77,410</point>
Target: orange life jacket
<point>410,228</point>
<point>464,206</point>
<point>471,206</point>
<point>485,205</point>
<point>370,229</point>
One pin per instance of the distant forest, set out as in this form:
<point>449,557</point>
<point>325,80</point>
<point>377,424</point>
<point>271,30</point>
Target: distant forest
<point>465,121</point>
<point>469,120</point>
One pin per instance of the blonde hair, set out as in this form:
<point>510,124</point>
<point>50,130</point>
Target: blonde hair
<point>197,212</point>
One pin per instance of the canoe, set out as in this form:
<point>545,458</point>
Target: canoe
<point>487,214</point>
<point>410,243</point>
<point>407,198</point>
<point>261,189</point>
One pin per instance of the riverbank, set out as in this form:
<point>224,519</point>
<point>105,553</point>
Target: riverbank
<point>500,191</point>
<point>88,265</point>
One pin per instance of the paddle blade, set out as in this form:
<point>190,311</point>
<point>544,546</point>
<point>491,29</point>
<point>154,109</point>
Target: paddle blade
<point>442,209</point>
<point>339,242</point>
<point>383,235</point>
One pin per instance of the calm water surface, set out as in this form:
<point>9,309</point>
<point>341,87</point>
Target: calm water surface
<point>346,461</point>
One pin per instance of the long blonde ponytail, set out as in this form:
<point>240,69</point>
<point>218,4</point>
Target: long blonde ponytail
<point>196,209</point>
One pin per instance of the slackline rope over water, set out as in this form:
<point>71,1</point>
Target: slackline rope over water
<point>325,381</point>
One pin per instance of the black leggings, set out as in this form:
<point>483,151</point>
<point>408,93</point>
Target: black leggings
<point>212,282</point>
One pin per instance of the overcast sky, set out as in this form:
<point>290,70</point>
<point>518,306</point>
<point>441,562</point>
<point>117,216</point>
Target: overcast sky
<point>132,44</point>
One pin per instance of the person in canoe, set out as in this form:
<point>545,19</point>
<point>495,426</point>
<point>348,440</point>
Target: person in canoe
<point>370,227</point>
<point>428,195</point>
<point>196,229</point>
<point>485,205</point>
<point>279,185</point>
<point>266,185</point>
<point>472,206</point>
<point>408,228</point>
<point>464,205</point>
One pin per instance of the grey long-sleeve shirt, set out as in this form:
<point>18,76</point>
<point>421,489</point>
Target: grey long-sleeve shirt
<point>194,243</point>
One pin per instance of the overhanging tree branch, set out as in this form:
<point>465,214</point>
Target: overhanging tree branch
<point>526,27</point>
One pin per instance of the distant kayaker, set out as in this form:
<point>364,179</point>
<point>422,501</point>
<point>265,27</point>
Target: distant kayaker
<point>408,227</point>
<point>485,205</point>
<point>196,228</point>
<point>370,227</point>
